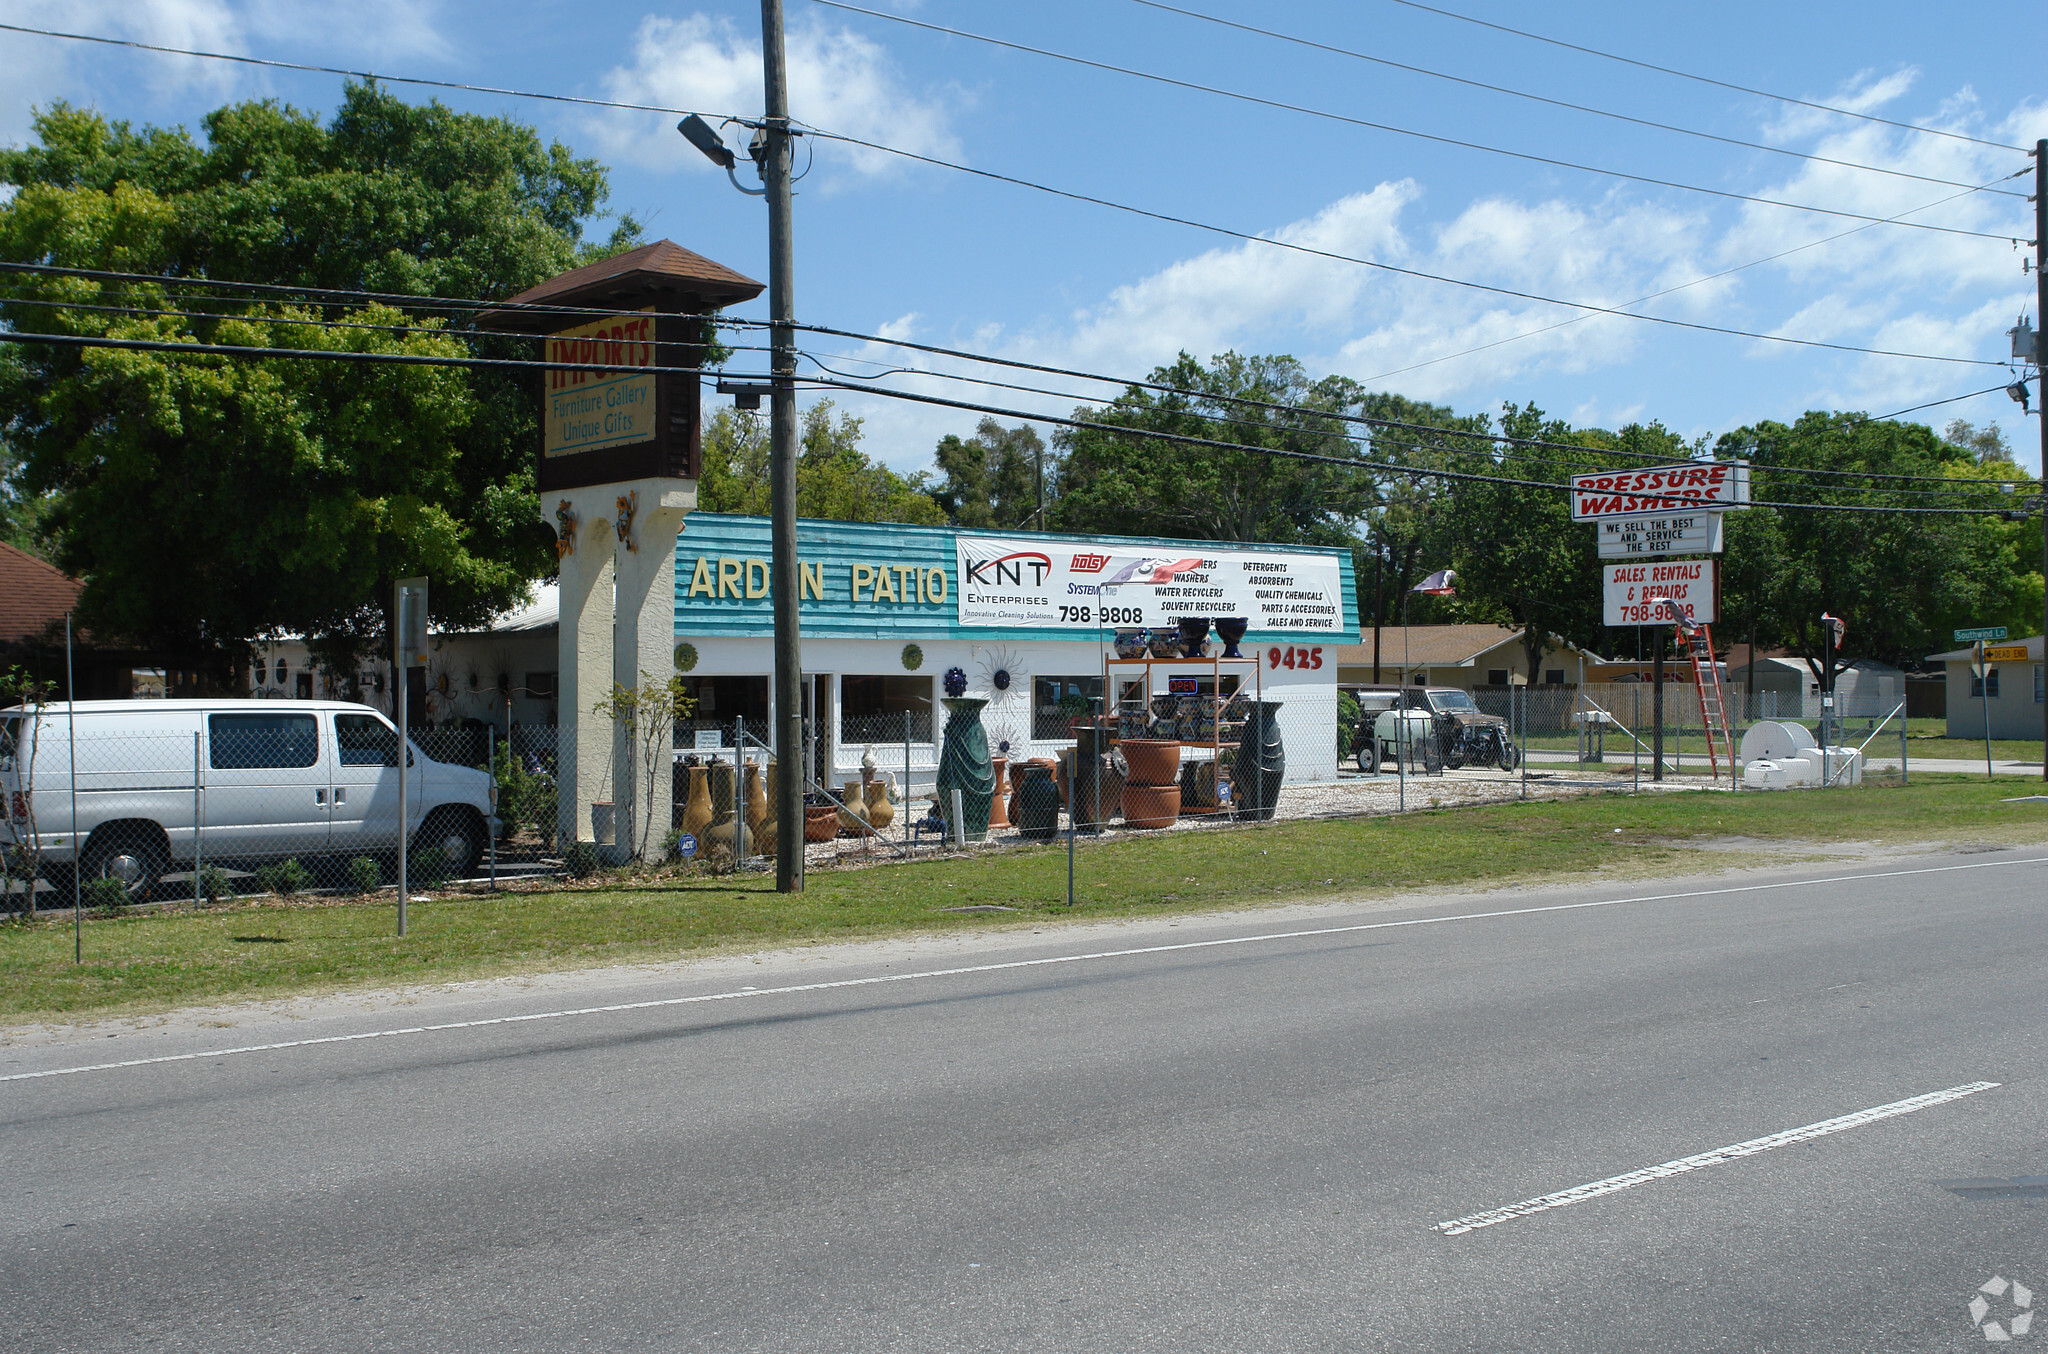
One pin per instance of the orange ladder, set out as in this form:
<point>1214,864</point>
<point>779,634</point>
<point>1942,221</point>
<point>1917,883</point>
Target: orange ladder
<point>1706,679</point>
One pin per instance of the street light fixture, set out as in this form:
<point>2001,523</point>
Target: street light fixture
<point>704,137</point>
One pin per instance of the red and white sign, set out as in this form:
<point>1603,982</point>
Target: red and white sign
<point>1703,486</point>
<point>1646,594</point>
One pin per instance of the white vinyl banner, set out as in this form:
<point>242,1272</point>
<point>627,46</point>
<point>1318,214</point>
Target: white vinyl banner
<point>1007,582</point>
<point>1711,486</point>
<point>1696,533</point>
<point>1635,594</point>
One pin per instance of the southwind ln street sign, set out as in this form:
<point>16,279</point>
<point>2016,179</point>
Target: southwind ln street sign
<point>1980,632</point>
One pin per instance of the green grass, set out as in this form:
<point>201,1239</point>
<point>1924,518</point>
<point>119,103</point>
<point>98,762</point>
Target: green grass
<point>149,962</point>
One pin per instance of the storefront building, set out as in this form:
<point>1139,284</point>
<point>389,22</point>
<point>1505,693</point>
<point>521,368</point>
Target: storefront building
<point>1027,619</point>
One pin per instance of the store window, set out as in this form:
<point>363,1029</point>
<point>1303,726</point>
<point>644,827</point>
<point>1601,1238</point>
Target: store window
<point>540,685</point>
<point>872,708</point>
<point>720,701</point>
<point>1553,676</point>
<point>1055,700</point>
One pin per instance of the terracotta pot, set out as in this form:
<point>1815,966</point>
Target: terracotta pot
<point>854,814</point>
<point>998,809</point>
<point>821,823</point>
<point>1017,770</point>
<point>1151,761</point>
<point>698,812</point>
<point>1151,806</point>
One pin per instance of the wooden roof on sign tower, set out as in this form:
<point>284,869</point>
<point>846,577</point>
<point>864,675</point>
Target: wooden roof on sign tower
<point>648,275</point>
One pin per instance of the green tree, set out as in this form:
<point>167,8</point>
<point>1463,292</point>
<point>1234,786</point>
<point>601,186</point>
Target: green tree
<point>1130,482</point>
<point>991,478</point>
<point>1903,581</point>
<point>835,479</point>
<point>209,499</point>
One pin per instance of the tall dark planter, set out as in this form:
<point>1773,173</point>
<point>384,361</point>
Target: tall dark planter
<point>1038,804</point>
<point>964,766</point>
<point>1260,763</point>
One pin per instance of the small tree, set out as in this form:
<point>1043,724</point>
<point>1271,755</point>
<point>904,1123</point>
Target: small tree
<point>647,715</point>
<point>31,695</point>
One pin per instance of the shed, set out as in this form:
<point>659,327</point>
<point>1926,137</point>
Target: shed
<point>2013,686</point>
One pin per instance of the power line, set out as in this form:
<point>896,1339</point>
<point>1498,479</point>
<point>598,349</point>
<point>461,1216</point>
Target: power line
<point>1400,131</point>
<point>1396,269</point>
<point>1933,404</point>
<point>1698,281</point>
<point>1504,446</point>
<point>1099,378</point>
<point>1539,98</point>
<point>425,359</point>
<point>1707,79</point>
<point>1066,194</point>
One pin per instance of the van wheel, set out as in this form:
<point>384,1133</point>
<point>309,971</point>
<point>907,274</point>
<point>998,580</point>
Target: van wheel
<point>456,837</point>
<point>128,852</point>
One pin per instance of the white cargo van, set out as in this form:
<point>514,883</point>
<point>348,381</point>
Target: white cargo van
<point>260,780</point>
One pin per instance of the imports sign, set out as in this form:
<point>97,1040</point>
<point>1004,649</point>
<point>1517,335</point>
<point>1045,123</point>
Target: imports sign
<point>1708,486</point>
<point>1039,582</point>
<point>1696,533</point>
<point>590,410</point>
<point>1644,594</point>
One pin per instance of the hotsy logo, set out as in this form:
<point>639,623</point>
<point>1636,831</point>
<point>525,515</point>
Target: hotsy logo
<point>1009,569</point>
<point>1089,564</point>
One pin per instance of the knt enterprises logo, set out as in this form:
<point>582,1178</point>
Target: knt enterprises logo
<point>2012,1315</point>
<point>1089,564</point>
<point>1010,569</point>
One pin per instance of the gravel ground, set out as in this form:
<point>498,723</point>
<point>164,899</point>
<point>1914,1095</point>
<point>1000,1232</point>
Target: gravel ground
<point>1348,797</point>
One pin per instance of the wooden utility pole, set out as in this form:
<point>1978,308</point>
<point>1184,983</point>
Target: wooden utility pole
<point>788,736</point>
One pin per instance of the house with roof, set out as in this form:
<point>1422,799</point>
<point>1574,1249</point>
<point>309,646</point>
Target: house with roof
<point>35,596</point>
<point>2010,685</point>
<point>1465,656</point>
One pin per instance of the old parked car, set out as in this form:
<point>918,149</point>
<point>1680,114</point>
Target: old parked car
<point>1444,723</point>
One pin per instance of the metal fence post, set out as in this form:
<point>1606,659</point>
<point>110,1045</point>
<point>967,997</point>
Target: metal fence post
<point>198,870</point>
<point>1902,749</point>
<point>1635,752</point>
<point>1073,814</point>
<point>1525,743</point>
<point>909,837</point>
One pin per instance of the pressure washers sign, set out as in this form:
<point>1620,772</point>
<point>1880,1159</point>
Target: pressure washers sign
<point>1659,491</point>
<point>1037,582</point>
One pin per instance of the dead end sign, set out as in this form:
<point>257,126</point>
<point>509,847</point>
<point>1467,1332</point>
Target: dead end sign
<point>1634,594</point>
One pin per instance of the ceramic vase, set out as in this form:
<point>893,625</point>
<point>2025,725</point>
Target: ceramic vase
<point>1194,636</point>
<point>855,815</point>
<point>964,765</point>
<point>697,810</point>
<point>1260,762</point>
<point>1151,806</point>
<point>1038,812</point>
<point>821,822</point>
<point>1230,629</point>
<point>1151,761</point>
<point>881,812</point>
<point>1166,642</point>
<point>1131,643</point>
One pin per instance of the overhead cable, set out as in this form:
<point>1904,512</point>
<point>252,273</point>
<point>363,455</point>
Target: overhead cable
<point>1480,146</point>
<point>1709,80</point>
<point>1544,99</point>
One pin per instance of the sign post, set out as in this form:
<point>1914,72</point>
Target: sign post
<point>408,651</point>
<point>1977,635</point>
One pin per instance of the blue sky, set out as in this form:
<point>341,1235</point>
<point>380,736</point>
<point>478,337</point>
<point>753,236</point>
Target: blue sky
<point>909,251</point>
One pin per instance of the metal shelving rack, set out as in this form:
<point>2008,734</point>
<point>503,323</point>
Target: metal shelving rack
<point>1223,732</point>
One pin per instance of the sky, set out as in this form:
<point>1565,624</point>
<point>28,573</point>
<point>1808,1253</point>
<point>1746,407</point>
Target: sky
<point>900,250</point>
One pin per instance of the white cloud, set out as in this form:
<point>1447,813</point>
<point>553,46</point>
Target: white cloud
<point>839,81</point>
<point>42,70</point>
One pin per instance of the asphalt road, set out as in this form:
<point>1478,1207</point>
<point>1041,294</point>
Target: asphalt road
<point>1194,1146</point>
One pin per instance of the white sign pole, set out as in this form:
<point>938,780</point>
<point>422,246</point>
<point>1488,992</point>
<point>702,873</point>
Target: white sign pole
<point>408,650</point>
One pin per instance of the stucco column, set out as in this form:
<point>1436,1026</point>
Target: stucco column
<point>583,662</point>
<point>644,647</point>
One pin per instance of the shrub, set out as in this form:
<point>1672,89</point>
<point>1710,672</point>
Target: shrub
<point>105,896</point>
<point>284,878</point>
<point>365,874</point>
<point>215,886</point>
<point>579,860</point>
<point>427,869</point>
